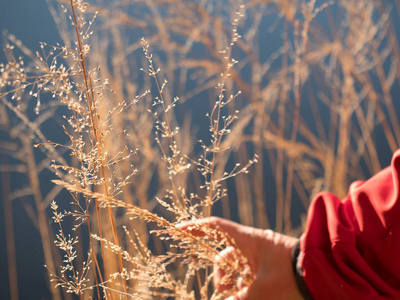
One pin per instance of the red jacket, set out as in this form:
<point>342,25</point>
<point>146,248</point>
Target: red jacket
<point>351,248</point>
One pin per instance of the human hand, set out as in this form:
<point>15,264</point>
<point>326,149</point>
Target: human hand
<point>267,252</point>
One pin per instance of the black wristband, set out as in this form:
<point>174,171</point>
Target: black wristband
<point>298,273</point>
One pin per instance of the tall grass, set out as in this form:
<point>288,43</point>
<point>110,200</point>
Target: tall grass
<point>169,128</point>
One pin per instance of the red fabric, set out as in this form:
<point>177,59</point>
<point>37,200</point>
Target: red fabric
<point>351,248</point>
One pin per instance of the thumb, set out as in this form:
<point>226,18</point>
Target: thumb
<point>222,280</point>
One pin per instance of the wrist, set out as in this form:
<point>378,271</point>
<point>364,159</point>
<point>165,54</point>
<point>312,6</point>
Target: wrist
<point>298,272</point>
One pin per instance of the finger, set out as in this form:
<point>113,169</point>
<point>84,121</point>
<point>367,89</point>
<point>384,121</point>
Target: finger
<point>257,290</point>
<point>222,280</point>
<point>242,235</point>
<point>197,227</point>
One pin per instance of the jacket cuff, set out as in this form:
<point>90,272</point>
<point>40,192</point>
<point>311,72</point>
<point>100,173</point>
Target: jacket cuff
<point>298,272</point>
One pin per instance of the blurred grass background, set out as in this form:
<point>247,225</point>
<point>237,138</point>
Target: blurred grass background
<point>319,105</point>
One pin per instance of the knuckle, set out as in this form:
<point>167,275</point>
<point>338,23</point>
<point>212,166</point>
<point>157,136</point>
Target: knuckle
<point>214,220</point>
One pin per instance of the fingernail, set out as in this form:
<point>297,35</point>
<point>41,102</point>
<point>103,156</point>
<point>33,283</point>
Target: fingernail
<point>182,224</point>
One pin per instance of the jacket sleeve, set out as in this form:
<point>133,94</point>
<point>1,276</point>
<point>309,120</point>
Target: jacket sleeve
<point>351,248</point>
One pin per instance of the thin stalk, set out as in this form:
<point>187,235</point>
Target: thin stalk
<point>344,138</point>
<point>42,219</point>
<point>97,142</point>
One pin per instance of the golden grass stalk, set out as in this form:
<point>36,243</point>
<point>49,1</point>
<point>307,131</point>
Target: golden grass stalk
<point>41,212</point>
<point>9,225</point>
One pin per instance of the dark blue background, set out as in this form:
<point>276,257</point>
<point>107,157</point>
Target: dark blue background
<point>31,22</point>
